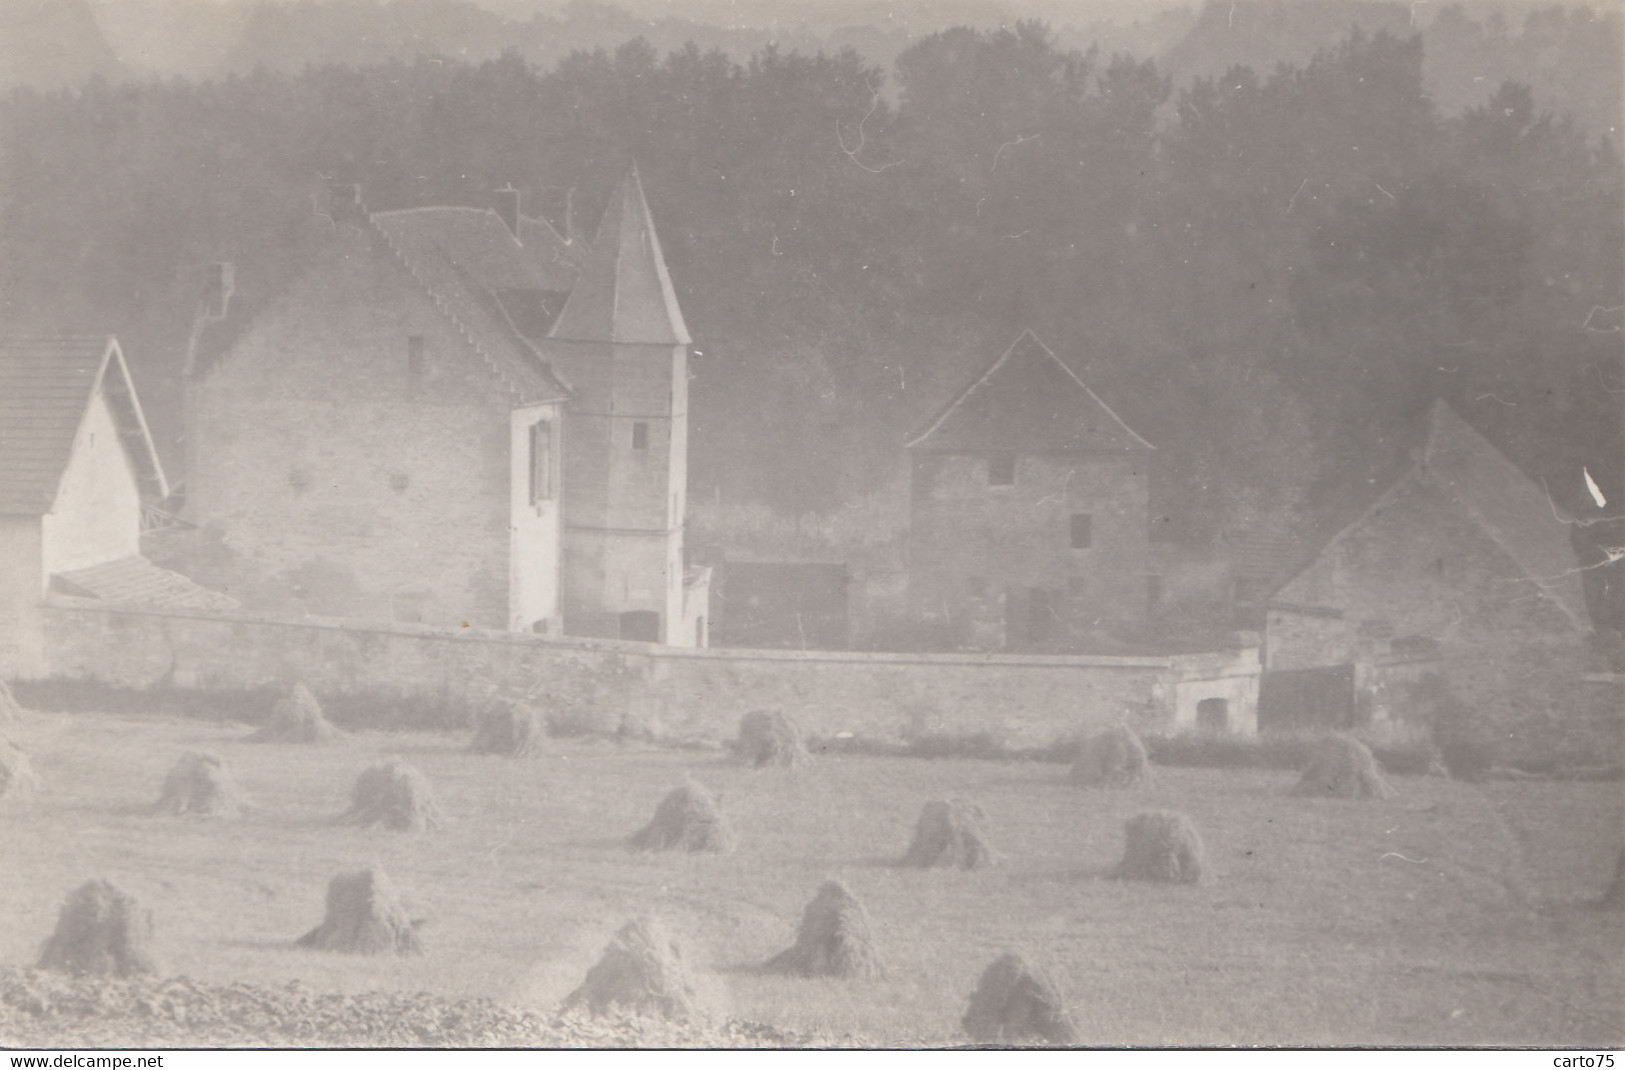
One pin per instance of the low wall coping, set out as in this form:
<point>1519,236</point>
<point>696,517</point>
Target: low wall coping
<point>483,635</point>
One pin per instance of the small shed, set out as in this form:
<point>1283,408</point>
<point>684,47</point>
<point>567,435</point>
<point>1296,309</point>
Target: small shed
<point>77,470</point>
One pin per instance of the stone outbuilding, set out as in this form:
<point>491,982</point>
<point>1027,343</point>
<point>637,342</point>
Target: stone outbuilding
<point>1029,511</point>
<point>1459,583</point>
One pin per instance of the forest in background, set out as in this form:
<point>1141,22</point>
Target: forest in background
<point>1269,272</point>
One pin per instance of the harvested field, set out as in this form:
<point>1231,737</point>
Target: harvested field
<point>201,784</point>
<point>949,833</point>
<point>10,708</point>
<point>1449,914</point>
<point>100,931</point>
<point>297,718</point>
<point>1113,759</point>
<point>511,729</point>
<point>689,818</point>
<point>833,939</point>
<point>17,780</point>
<point>364,917</point>
<point>641,972</point>
<point>1342,768</point>
<point>393,795</point>
<point>1016,1004</point>
<point>768,737</point>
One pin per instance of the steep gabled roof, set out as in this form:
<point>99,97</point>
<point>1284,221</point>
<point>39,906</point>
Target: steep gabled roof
<point>1507,504</point>
<point>465,258</point>
<point>1028,401</point>
<point>477,240</point>
<point>1475,477</point>
<point>623,293</point>
<point>45,388</point>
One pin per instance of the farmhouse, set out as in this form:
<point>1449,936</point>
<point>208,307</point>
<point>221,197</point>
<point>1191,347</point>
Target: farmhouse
<point>1460,575</point>
<point>1028,518</point>
<point>77,473</point>
<point>457,417</point>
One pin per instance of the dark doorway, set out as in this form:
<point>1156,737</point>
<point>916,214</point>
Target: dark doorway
<point>641,625</point>
<point>1213,715</point>
<point>1032,617</point>
<point>1307,699</point>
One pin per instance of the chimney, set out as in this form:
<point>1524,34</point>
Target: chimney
<point>217,295</point>
<point>507,206</point>
<point>344,200</point>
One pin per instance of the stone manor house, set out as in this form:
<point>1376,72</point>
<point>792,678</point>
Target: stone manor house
<point>453,416</point>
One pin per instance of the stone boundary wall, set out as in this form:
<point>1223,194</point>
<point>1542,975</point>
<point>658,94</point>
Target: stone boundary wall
<point>609,686</point>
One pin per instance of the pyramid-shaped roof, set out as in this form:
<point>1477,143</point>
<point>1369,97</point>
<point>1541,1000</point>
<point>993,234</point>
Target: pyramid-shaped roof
<point>623,293</point>
<point>45,387</point>
<point>1028,401</point>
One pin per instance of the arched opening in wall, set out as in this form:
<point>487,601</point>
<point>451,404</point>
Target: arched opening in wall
<point>1213,715</point>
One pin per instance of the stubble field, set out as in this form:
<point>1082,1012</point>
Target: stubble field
<point>1451,914</point>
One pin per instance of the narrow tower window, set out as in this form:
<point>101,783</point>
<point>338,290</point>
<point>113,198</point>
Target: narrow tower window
<point>640,436</point>
<point>541,462</point>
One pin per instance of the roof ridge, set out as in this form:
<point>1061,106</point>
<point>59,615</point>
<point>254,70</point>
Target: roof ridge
<point>1077,379</point>
<point>980,381</point>
<point>1547,585</point>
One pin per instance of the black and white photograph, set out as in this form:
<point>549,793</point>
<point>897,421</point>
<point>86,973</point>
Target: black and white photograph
<point>812,524</point>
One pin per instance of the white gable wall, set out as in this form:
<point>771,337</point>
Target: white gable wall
<point>96,516</point>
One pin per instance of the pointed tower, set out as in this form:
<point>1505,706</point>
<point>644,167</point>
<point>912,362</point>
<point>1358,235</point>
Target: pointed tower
<point>621,345</point>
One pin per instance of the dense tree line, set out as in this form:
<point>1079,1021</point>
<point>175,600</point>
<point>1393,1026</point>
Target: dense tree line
<point>1269,274</point>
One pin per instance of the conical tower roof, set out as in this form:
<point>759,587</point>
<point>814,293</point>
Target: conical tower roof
<point>623,293</point>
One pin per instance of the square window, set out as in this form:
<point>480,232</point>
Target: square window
<point>640,436</point>
<point>1082,531</point>
<point>1001,471</point>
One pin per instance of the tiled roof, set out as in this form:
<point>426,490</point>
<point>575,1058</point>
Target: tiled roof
<point>1259,553</point>
<point>1028,401</point>
<point>45,385</point>
<point>137,581</point>
<point>623,293</point>
<point>464,258</point>
<point>1480,480</point>
<point>1507,504</point>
